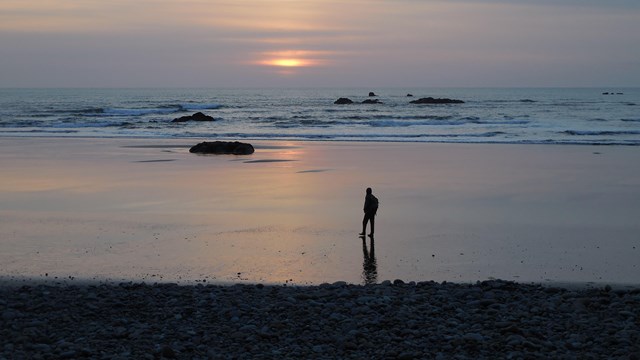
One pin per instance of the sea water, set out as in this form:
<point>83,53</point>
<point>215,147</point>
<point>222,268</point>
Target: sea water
<point>602,116</point>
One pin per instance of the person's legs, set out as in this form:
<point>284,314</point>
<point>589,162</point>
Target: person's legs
<point>372,219</point>
<point>364,224</point>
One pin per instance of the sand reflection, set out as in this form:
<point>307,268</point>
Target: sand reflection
<point>93,208</point>
<point>369,265</point>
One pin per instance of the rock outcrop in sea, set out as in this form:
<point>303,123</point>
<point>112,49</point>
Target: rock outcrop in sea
<point>372,101</point>
<point>195,117</point>
<point>343,101</point>
<point>430,100</point>
<point>222,147</point>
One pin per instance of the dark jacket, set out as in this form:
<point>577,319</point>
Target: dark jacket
<point>370,206</point>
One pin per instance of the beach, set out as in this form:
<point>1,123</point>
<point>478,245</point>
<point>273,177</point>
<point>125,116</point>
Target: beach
<point>426,320</point>
<point>147,210</point>
<point>136,248</point>
<point>494,145</point>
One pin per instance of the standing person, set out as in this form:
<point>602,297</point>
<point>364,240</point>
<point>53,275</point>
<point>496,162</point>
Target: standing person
<point>370,209</point>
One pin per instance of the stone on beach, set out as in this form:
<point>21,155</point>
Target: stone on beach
<point>195,117</point>
<point>222,147</point>
<point>430,100</point>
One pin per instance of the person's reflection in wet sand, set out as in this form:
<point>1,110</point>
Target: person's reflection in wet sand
<point>369,266</point>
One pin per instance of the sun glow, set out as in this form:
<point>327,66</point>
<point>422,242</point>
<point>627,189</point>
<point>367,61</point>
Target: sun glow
<point>292,59</point>
<point>287,62</point>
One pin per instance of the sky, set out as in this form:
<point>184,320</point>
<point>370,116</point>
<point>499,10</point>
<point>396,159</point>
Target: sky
<point>319,43</point>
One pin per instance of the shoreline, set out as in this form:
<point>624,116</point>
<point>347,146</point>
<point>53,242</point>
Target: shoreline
<point>311,140</point>
<point>390,320</point>
<point>12,282</point>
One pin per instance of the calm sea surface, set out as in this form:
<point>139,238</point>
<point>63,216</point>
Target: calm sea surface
<point>542,116</point>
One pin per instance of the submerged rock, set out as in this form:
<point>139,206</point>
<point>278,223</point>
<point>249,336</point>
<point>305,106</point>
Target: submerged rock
<point>430,100</point>
<point>371,93</point>
<point>195,117</point>
<point>343,101</point>
<point>370,101</point>
<point>222,147</point>
<point>409,95</point>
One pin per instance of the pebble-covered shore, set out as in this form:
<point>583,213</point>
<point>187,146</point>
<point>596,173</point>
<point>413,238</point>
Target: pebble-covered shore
<point>491,319</point>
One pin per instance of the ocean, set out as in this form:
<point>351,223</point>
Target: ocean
<point>599,116</point>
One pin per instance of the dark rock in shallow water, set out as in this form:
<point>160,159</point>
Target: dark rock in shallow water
<point>343,101</point>
<point>195,117</point>
<point>223,147</point>
<point>371,93</point>
<point>370,101</point>
<point>430,100</point>
<point>409,95</point>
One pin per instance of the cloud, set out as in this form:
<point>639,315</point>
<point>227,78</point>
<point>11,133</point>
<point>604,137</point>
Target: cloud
<point>626,4</point>
<point>343,43</point>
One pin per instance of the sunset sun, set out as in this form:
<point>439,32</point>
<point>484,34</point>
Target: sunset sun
<point>291,59</point>
<point>287,62</point>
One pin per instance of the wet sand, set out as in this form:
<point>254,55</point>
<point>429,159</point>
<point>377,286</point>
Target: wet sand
<point>146,210</point>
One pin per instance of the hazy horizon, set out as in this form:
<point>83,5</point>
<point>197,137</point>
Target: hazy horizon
<point>367,88</point>
<point>319,44</point>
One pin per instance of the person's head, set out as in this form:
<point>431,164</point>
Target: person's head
<point>369,191</point>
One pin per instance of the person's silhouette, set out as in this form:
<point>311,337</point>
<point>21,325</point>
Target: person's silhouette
<point>370,210</point>
<point>369,265</point>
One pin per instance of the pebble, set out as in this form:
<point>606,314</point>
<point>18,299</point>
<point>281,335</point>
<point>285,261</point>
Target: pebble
<point>9,315</point>
<point>399,320</point>
<point>473,337</point>
<point>68,355</point>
